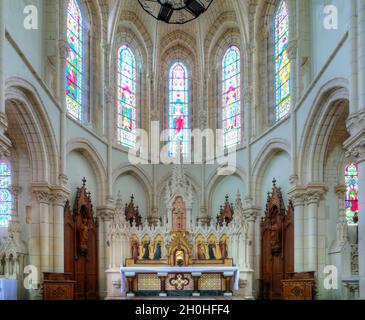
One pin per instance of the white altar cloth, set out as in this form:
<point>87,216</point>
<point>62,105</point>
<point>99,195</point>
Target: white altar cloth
<point>8,289</point>
<point>131,270</point>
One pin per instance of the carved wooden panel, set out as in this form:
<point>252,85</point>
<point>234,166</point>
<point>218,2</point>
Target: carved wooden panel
<point>81,238</point>
<point>277,245</point>
<point>58,286</point>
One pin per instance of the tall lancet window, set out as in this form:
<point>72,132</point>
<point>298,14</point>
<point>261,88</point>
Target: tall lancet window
<point>231,100</point>
<point>74,60</point>
<point>127,101</point>
<point>6,200</point>
<point>352,193</point>
<point>178,110</point>
<point>282,62</point>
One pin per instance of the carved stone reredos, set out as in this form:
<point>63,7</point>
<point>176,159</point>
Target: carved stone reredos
<point>178,185</point>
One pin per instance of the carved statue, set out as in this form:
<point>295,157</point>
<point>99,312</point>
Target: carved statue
<point>84,234</point>
<point>201,253</point>
<point>211,251</point>
<point>157,255</point>
<point>146,250</point>
<point>135,250</point>
<point>223,249</point>
<point>275,237</point>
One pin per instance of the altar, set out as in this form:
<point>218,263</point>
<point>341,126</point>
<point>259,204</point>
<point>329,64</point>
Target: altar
<point>179,281</point>
<point>173,255</point>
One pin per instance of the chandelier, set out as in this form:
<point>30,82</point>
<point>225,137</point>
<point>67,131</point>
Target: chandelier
<point>175,11</point>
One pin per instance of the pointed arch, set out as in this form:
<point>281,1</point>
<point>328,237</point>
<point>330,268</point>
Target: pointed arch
<point>127,97</point>
<point>282,62</point>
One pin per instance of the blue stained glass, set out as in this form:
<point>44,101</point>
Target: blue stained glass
<point>6,201</point>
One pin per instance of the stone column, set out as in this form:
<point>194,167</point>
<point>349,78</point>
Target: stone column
<point>59,198</point>
<point>4,141</point>
<point>251,213</point>
<point>104,215</point>
<point>63,48</point>
<point>342,227</point>
<point>297,197</point>
<point>312,197</point>
<point>46,250</point>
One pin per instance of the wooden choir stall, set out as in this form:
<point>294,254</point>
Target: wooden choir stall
<point>80,279</point>
<point>278,280</point>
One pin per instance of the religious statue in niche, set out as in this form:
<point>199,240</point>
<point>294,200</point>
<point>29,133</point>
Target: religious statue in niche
<point>211,247</point>
<point>201,251</point>
<point>158,253</point>
<point>275,236</point>
<point>223,247</point>
<point>135,250</point>
<point>179,215</point>
<point>84,232</point>
<point>146,250</point>
<point>157,248</point>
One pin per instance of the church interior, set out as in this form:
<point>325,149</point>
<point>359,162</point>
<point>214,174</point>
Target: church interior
<point>182,148</point>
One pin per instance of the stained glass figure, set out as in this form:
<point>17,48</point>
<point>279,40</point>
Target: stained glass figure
<point>352,193</point>
<point>231,112</point>
<point>127,102</point>
<point>282,62</point>
<point>178,110</point>
<point>74,60</point>
<point>6,200</point>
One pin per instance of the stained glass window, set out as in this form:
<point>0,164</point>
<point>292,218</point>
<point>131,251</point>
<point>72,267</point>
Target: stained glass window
<point>127,103</point>
<point>282,62</point>
<point>178,113</point>
<point>74,60</point>
<point>352,193</point>
<point>5,196</point>
<point>231,112</point>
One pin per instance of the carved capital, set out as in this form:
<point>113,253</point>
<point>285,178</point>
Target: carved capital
<point>314,195</point>
<point>340,191</point>
<point>63,48</point>
<point>42,196</point>
<point>105,213</point>
<point>297,196</point>
<point>355,146</point>
<point>292,49</point>
<point>356,123</point>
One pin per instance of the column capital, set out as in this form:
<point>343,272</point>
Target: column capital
<point>314,193</point>
<point>105,213</point>
<point>292,49</point>
<point>59,196</point>
<point>63,47</point>
<point>340,191</point>
<point>14,190</point>
<point>297,195</point>
<point>251,213</point>
<point>355,146</point>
